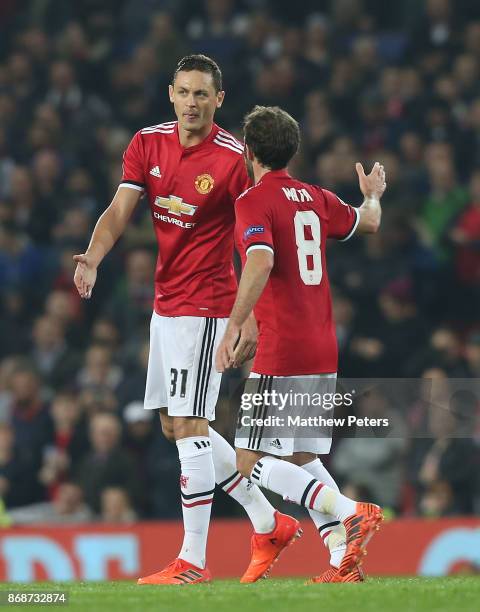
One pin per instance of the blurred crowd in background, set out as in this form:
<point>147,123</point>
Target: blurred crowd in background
<point>367,80</point>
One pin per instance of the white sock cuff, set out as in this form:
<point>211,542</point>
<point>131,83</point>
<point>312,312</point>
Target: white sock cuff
<point>230,483</point>
<point>320,472</point>
<point>194,447</point>
<point>261,470</point>
<point>312,466</point>
<point>224,460</point>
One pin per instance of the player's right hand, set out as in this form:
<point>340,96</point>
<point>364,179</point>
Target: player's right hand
<point>225,350</point>
<point>247,342</point>
<point>371,185</point>
<point>85,275</point>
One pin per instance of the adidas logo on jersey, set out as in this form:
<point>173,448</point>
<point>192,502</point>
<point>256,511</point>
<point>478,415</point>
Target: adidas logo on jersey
<point>155,171</point>
<point>276,443</point>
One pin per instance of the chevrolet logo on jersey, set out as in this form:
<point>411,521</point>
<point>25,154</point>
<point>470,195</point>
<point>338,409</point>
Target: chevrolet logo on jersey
<point>175,205</point>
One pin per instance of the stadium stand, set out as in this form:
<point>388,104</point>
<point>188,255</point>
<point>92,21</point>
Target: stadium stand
<point>367,80</point>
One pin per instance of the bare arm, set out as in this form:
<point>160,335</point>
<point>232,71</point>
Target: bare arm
<point>252,283</point>
<point>110,226</point>
<point>247,342</point>
<point>372,186</point>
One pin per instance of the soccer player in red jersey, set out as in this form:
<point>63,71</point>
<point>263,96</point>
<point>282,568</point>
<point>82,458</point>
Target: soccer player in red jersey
<point>282,226</point>
<point>192,171</point>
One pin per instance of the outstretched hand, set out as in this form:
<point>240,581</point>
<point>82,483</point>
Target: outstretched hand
<point>371,185</point>
<point>85,275</point>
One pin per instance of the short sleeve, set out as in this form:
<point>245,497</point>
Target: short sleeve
<point>342,218</point>
<point>239,180</point>
<point>133,175</point>
<point>253,226</point>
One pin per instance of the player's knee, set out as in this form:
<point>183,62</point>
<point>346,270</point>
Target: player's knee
<point>301,458</point>
<point>167,427</point>
<point>244,466</point>
<point>188,427</point>
<point>168,432</point>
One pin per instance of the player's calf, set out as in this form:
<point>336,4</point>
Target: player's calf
<point>197,484</point>
<point>296,485</point>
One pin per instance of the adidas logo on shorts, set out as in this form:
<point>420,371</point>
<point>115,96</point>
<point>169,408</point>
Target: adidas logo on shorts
<point>155,171</point>
<point>276,443</point>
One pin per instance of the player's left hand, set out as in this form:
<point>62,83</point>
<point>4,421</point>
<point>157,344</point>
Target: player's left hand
<point>247,343</point>
<point>372,185</point>
<point>226,349</point>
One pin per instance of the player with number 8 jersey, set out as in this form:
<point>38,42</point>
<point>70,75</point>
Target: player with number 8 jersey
<point>288,217</point>
<point>282,228</point>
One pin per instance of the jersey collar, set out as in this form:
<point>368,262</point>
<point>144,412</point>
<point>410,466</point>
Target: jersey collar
<point>273,174</point>
<point>205,141</point>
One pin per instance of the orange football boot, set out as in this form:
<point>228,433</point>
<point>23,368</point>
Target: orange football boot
<point>266,547</point>
<point>359,527</point>
<point>331,575</point>
<point>178,572</point>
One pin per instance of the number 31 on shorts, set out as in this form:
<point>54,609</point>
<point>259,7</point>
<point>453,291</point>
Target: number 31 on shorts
<point>174,386</point>
<point>308,247</point>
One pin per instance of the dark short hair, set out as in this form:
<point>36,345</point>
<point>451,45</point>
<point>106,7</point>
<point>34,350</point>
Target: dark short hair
<point>202,63</point>
<point>272,135</point>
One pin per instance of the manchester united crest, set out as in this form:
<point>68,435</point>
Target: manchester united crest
<point>204,183</point>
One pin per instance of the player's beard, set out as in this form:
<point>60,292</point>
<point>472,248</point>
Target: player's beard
<point>191,127</point>
<point>249,167</point>
<point>202,124</point>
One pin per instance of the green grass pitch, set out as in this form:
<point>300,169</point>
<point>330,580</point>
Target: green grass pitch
<point>453,594</point>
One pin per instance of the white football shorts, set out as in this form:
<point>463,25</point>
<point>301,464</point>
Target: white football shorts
<point>181,374</point>
<point>283,440</point>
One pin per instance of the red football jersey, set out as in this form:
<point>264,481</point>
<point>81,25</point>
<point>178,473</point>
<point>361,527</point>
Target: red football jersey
<point>191,192</point>
<point>294,313</point>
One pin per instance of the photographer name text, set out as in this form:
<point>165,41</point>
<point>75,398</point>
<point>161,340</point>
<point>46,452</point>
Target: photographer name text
<point>312,421</point>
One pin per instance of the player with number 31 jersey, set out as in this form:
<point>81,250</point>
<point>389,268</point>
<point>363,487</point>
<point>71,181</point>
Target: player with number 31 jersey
<point>191,171</point>
<point>288,218</point>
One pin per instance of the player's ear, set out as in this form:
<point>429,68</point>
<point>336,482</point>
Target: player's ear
<point>170,93</point>
<point>248,152</point>
<point>220,98</point>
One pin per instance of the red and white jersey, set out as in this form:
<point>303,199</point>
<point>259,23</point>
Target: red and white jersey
<point>191,192</point>
<point>294,313</point>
